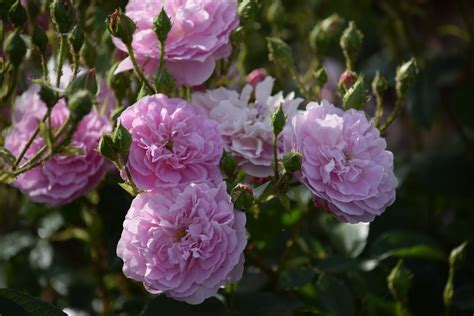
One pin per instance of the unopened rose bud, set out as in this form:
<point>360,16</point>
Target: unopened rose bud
<point>347,80</point>
<point>40,39</point>
<point>458,255</point>
<point>256,76</point>
<point>162,26</point>
<point>106,147</point>
<point>76,39</point>
<point>242,196</point>
<point>351,44</point>
<point>48,96</point>
<point>121,26</point>
<point>80,104</point>
<point>406,75</point>
<point>280,52</point>
<point>278,119</point>
<point>15,48</point>
<point>356,97</point>
<point>325,33</point>
<point>63,15</point>
<point>292,161</point>
<point>85,81</point>
<point>122,140</point>
<point>17,14</point>
<point>228,164</point>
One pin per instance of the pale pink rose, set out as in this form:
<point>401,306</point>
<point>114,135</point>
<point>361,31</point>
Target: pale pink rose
<point>63,178</point>
<point>345,161</point>
<point>200,35</point>
<point>184,242</point>
<point>245,125</point>
<point>173,143</point>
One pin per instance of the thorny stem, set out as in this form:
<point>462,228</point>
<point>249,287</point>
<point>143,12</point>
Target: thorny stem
<point>137,68</point>
<point>62,53</point>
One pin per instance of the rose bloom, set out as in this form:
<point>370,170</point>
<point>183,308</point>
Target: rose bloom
<point>199,36</point>
<point>184,242</point>
<point>173,143</point>
<point>63,178</point>
<point>345,164</point>
<point>245,125</point>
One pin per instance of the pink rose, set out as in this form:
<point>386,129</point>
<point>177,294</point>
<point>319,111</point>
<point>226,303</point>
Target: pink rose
<point>245,125</point>
<point>200,35</point>
<point>173,143</point>
<point>185,243</point>
<point>345,164</point>
<point>63,178</point>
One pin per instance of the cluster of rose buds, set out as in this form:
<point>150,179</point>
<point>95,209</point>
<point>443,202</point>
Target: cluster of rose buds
<point>194,163</point>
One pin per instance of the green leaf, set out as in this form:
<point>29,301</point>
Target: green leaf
<point>46,134</point>
<point>127,187</point>
<point>349,239</point>
<point>258,191</point>
<point>16,303</point>
<point>406,244</point>
<point>165,306</point>
<point>7,156</point>
<point>334,297</point>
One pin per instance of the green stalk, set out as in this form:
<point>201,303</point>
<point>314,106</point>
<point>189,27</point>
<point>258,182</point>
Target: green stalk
<point>137,68</point>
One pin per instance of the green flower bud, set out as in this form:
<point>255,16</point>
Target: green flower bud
<point>164,82</point>
<point>351,44</point>
<point>17,14</point>
<point>121,26</point>
<point>228,164</point>
<point>88,54</point>
<point>379,85</point>
<point>48,96</point>
<point>321,77</point>
<point>76,39</point>
<point>242,196</point>
<point>162,25</point>
<point>292,161</point>
<point>399,282</point>
<point>85,81</point>
<point>278,119</point>
<point>15,48</point>
<point>347,80</point>
<point>406,75</point>
<point>63,15</point>
<point>40,39</point>
<point>356,97</point>
<point>325,33</point>
<point>279,51</point>
<point>80,104</point>
<point>107,148</point>
<point>122,140</point>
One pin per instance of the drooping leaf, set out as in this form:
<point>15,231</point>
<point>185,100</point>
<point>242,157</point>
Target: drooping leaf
<point>16,303</point>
